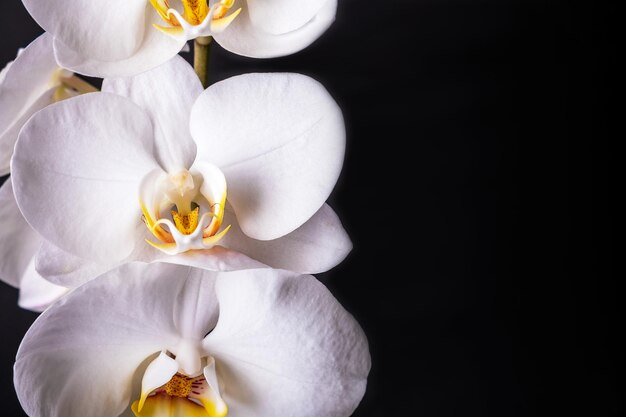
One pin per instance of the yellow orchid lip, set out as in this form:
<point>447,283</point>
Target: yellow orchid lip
<point>197,18</point>
<point>181,395</point>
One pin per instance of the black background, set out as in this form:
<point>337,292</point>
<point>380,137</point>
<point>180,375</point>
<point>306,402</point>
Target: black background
<point>477,189</point>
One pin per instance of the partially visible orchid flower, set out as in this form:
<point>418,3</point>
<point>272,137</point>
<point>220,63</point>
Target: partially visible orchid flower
<point>125,37</point>
<point>28,84</point>
<point>18,246</point>
<point>153,168</point>
<point>166,340</point>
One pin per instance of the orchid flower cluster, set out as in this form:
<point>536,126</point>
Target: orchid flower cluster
<point>165,228</point>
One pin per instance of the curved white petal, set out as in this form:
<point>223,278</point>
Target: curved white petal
<point>3,71</point>
<point>76,171</point>
<point>317,246</point>
<point>18,241</point>
<point>8,137</point>
<point>26,87</point>
<point>28,77</point>
<point>167,94</point>
<point>285,347</point>
<point>110,30</point>
<point>67,270</point>
<point>81,356</point>
<point>37,293</point>
<point>266,38</point>
<point>282,16</point>
<point>217,258</point>
<point>155,49</point>
<point>279,139</point>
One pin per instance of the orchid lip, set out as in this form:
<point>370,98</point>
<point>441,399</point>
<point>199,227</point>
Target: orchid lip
<point>166,387</point>
<point>197,18</point>
<point>184,210</point>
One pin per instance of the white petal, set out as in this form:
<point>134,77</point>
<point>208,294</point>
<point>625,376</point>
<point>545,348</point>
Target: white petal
<point>28,77</point>
<point>37,293</point>
<point>245,37</point>
<point>81,356</point>
<point>282,16</point>
<point>284,341</point>
<point>317,246</point>
<point>71,271</point>
<point>110,30</point>
<point>279,139</point>
<point>167,94</point>
<point>158,373</point>
<point>67,270</point>
<point>18,241</point>
<point>155,49</point>
<point>79,189</point>
<point>26,88</point>
<point>215,259</point>
<point>8,137</point>
<point>195,311</point>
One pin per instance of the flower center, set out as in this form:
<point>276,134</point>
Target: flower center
<point>182,396</point>
<point>184,210</point>
<point>186,223</point>
<point>179,386</point>
<point>197,18</point>
<point>167,391</point>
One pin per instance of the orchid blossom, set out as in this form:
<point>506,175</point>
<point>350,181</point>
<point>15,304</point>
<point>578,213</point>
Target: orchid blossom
<point>168,340</point>
<point>125,37</point>
<point>155,168</point>
<point>28,84</point>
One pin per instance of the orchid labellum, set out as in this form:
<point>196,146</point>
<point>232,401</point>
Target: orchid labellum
<point>165,340</point>
<point>153,168</point>
<point>105,38</point>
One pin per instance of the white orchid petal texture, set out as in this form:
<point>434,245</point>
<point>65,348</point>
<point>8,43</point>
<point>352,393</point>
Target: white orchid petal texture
<point>253,343</point>
<point>126,37</point>
<point>27,85</point>
<point>18,245</point>
<point>151,164</point>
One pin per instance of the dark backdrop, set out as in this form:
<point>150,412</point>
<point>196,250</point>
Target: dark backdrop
<point>477,188</point>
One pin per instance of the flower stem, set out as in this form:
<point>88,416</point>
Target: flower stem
<point>201,49</point>
<point>78,84</point>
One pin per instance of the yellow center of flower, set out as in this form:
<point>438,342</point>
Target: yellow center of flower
<point>178,386</point>
<point>181,396</point>
<point>196,218</point>
<point>194,13</point>
<point>186,223</point>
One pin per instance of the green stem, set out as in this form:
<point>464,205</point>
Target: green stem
<point>202,46</point>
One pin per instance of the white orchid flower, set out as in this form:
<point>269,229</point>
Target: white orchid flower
<point>167,340</point>
<point>153,168</point>
<point>125,37</point>
<point>28,84</point>
<point>18,246</point>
